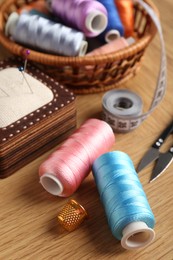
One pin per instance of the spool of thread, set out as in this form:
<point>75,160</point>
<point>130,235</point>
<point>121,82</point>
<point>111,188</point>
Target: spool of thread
<point>127,209</point>
<point>125,10</point>
<point>41,33</point>
<point>64,170</point>
<point>113,46</point>
<point>119,105</point>
<point>88,16</point>
<point>114,27</point>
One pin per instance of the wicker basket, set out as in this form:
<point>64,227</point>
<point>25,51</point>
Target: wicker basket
<point>104,72</point>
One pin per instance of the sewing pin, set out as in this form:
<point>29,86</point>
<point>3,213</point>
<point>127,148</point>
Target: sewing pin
<point>21,69</point>
<point>27,52</point>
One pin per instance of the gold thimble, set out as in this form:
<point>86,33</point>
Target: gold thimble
<point>72,215</point>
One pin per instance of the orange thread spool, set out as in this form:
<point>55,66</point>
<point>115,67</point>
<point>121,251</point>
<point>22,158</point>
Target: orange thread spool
<point>125,9</point>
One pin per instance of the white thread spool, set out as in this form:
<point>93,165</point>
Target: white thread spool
<point>137,235</point>
<point>11,29</point>
<point>11,23</point>
<point>120,105</point>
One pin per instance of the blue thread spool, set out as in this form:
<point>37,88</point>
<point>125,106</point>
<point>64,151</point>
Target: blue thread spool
<point>114,27</point>
<point>128,212</point>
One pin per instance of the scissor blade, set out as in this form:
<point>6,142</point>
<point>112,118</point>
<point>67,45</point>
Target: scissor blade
<point>149,157</point>
<point>162,164</point>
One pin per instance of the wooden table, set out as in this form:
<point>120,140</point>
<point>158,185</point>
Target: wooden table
<point>28,224</point>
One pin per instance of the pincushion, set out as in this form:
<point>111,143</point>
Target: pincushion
<point>36,113</point>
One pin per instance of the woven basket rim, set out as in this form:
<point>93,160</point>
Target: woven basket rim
<point>51,59</point>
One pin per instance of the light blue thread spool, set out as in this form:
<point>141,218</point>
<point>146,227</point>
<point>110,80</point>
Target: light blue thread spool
<point>41,33</point>
<point>128,212</point>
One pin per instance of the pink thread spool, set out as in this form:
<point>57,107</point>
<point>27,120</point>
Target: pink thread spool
<point>64,170</point>
<point>112,46</point>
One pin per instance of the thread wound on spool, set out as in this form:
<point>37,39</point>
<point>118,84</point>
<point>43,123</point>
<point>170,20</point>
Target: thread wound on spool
<point>46,35</point>
<point>114,26</point>
<point>86,15</point>
<point>125,10</point>
<point>112,46</point>
<point>64,170</point>
<point>128,212</point>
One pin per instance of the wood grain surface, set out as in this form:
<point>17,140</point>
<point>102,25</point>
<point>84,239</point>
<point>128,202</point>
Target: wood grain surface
<point>28,214</point>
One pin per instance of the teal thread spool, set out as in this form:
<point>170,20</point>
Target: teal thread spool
<point>127,209</point>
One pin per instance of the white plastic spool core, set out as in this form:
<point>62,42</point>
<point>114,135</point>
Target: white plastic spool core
<point>111,35</point>
<point>96,22</point>
<point>137,235</point>
<point>51,184</point>
<point>83,48</point>
<point>11,23</point>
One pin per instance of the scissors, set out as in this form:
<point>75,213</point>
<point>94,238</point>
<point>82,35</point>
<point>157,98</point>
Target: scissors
<point>163,159</point>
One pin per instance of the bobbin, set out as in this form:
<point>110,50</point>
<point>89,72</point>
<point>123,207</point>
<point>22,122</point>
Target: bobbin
<point>11,23</point>
<point>128,212</point>
<point>11,27</point>
<point>119,106</point>
<point>125,10</point>
<point>115,45</point>
<point>75,157</point>
<point>95,21</point>
<point>114,27</point>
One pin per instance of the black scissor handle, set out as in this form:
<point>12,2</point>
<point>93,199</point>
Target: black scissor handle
<point>163,136</point>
